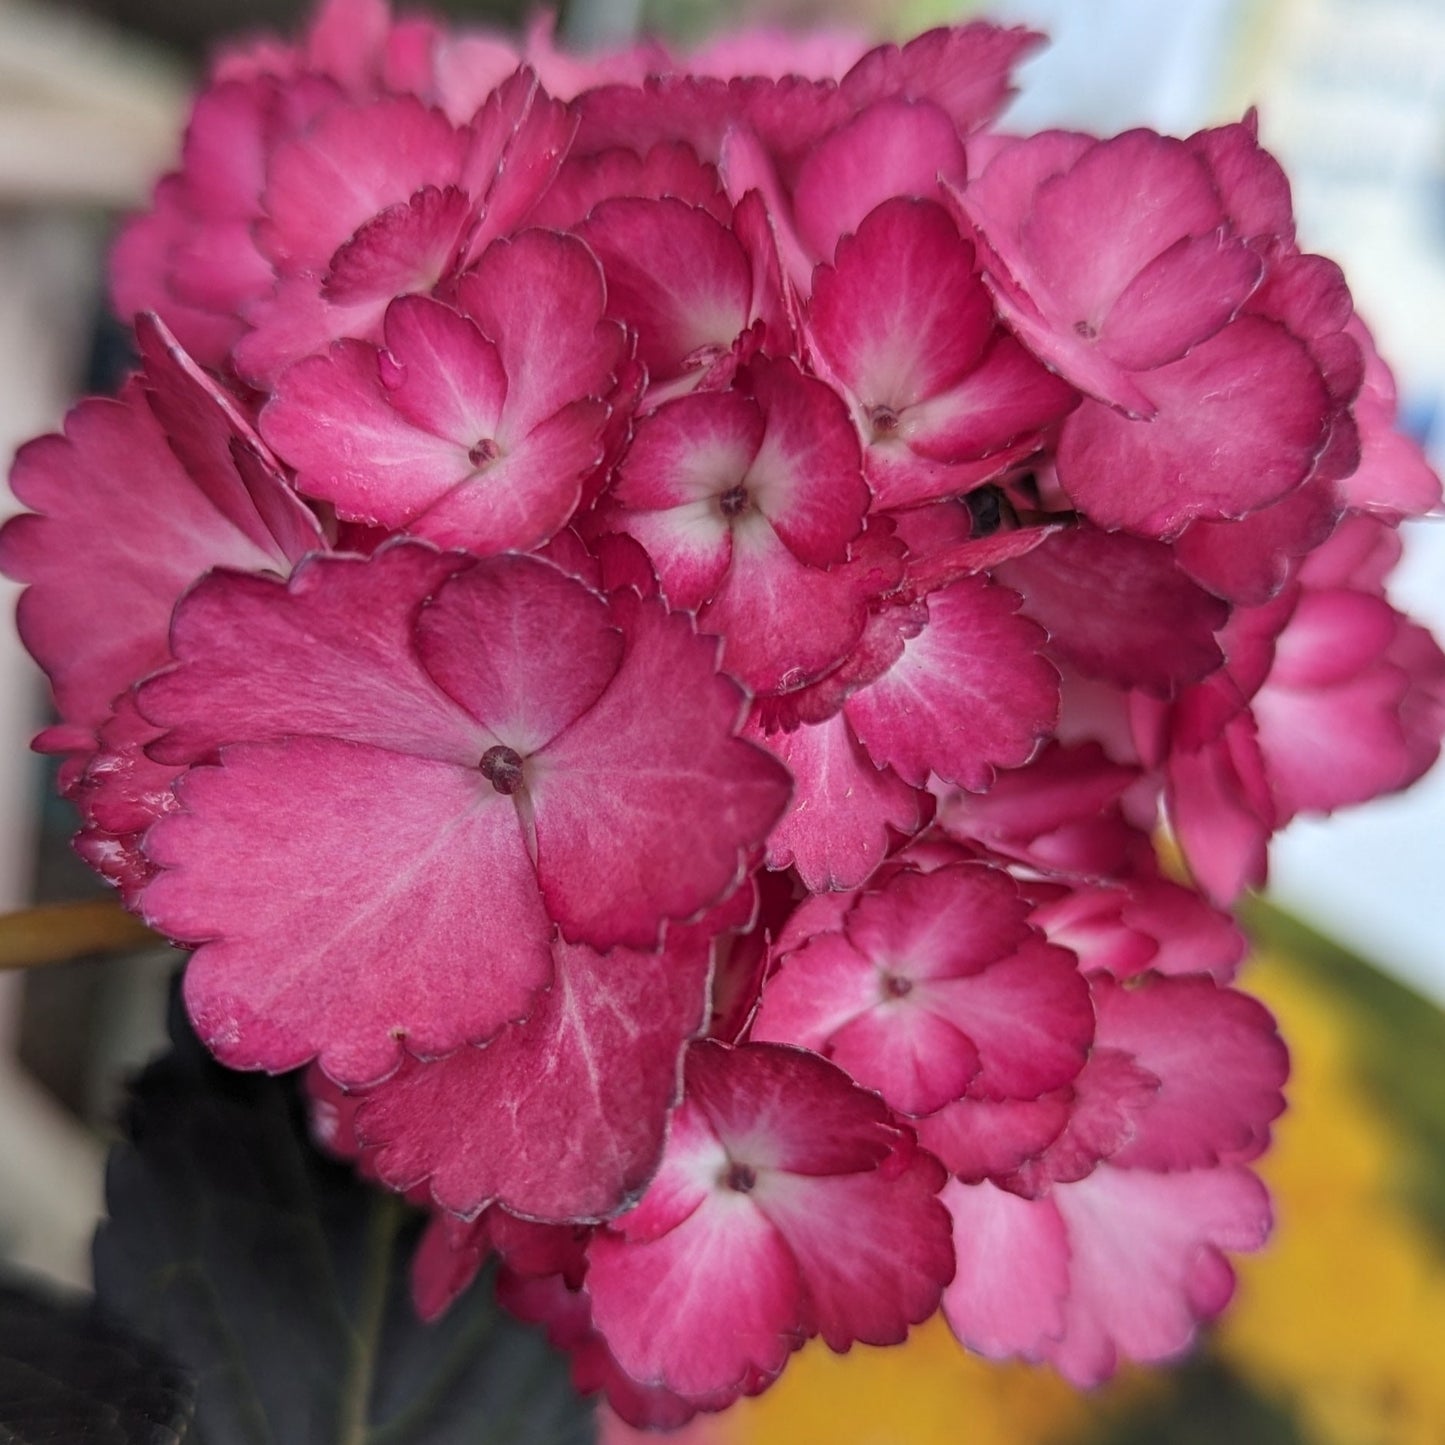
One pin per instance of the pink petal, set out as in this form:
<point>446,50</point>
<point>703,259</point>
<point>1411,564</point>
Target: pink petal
<point>1061,813</point>
<point>440,374</point>
<point>976,1138</point>
<point>970,693</point>
<point>645,812</point>
<point>844,808</point>
<point>1240,421</point>
<point>517,142</point>
<point>259,660</point>
<point>874,1250</point>
<point>690,450</point>
<point>123,530</point>
<point>523,497</point>
<point>670,168</point>
<point>562,1117</point>
<point>524,648</point>
<point>312,947</point>
<point>675,274</point>
<point>806,477</point>
<point>902,314</point>
<point>218,447</point>
<point>1222,812</point>
<point>787,1110</point>
<point>1094,228</point>
<point>1220,1064</point>
<point>966,70</point>
<point>1248,561</point>
<point>1146,1263</point>
<point>331,417</point>
<point>1116,607</point>
<point>1007,1296</point>
<point>1005,399</point>
<point>1184,295</point>
<point>540,297</point>
<point>892,148</point>
<point>784,624</point>
<point>1110,1094</point>
<point>721,1263</point>
<point>349,166</point>
<point>398,248</point>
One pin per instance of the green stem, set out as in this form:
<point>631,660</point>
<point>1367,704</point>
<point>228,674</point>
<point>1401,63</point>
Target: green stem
<point>386,1219</point>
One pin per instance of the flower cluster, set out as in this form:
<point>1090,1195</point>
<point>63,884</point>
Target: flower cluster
<point>644,622</point>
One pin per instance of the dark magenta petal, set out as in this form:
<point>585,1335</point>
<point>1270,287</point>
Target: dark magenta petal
<point>646,812</point>
<point>347,899</point>
<point>560,1117</point>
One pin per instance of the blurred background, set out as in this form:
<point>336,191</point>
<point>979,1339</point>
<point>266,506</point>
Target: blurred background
<point>1340,1334</point>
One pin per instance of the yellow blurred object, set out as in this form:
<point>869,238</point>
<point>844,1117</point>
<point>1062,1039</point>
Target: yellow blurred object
<point>1343,1316</point>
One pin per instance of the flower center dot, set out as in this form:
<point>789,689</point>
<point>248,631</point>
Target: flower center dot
<point>896,987</point>
<point>502,768</point>
<point>485,451</point>
<point>1086,329</point>
<point>884,421</point>
<point>741,1177</point>
<point>734,502</point>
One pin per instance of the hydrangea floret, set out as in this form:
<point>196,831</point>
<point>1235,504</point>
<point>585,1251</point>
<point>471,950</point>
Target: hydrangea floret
<point>645,617</point>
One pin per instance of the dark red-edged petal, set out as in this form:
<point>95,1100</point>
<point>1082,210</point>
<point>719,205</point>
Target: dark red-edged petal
<point>560,1117</point>
<point>645,812</point>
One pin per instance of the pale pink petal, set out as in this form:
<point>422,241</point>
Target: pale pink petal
<point>1146,1263</point>
<point>1007,1296</point>
<point>966,70</point>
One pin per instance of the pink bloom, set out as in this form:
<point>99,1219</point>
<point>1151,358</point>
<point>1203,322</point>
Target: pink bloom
<point>506,771</point>
<point>472,426</point>
<point>903,321</point>
<point>787,1206</point>
<point>751,505</point>
<point>935,985</point>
